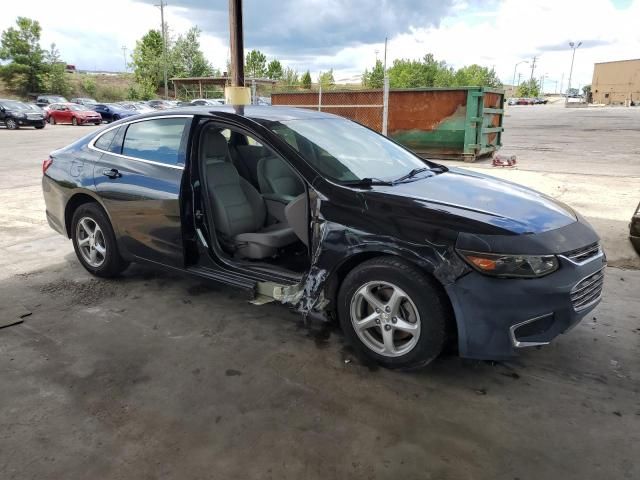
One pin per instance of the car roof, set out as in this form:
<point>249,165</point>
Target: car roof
<point>254,112</point>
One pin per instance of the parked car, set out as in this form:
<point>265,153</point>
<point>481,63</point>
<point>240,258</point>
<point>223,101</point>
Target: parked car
<point>14,114</point>
<point>160,104</point>
<point>137,107</point>
<point>513,101</point>
<point>634,229</point>
<point>84,101</point>
<point>112,112</point>
<point>44,101</point>
<point>207,101</point>
<point>540,101</point>
<point>322,214</point>
<point>72,113</point>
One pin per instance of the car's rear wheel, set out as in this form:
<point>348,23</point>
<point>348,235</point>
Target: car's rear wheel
<point>11,124</point>
<point>95,242</point>
<point>393,314</point>
<point>74,121</point>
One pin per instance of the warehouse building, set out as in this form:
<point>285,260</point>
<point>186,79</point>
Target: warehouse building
<point>616,83</point>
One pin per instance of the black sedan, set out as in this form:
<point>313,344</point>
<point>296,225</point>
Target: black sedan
<point>333,219</point>
<point>634,230</point>
<point>14,114</point>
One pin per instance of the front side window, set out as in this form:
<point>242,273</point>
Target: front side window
<point>157,140</point>
<point>346,151</point>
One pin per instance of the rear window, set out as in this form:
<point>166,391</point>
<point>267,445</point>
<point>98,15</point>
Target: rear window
<point>104,141</point>
<point>158,140</point>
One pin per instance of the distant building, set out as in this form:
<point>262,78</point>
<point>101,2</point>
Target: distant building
<point>616,83</point>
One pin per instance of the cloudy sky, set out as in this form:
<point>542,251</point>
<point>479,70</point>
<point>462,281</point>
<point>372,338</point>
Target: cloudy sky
<point>345,35</point>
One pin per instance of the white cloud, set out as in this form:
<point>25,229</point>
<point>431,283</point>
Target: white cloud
<point>91,34</point>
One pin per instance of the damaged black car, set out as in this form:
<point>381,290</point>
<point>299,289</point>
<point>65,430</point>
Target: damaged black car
<point>333,219</point>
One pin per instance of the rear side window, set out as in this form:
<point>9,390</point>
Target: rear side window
<point>158,140</point>
<point>104,141</point>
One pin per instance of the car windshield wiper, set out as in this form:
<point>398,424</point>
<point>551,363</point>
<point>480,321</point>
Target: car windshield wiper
<point>411,174</point>
<point>366,182</point>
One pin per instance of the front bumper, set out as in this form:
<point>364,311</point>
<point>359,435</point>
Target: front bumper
<point>95,120</point>
<point>30,122</point>
<point>496,316</point>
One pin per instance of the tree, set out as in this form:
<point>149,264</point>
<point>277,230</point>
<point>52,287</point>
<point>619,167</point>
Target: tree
<point>528,89</point>
<point>306,80</point>
<point>374,78</point>
<point>55,78</point>
<point>326,80</point>
<point>256,64</point>
<point>21,47</point>
<point>476,76</point>
<point>274,70</point>
<point>187,58</point>
<point>147,59</point>
<point>290,77</point>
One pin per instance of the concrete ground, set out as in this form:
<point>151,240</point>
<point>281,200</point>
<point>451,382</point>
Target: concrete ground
<point>160,376</point>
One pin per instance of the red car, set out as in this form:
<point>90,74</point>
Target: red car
<point>72,113</point>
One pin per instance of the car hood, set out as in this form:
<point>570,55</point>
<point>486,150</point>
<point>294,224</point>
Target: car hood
<point>506,206</point>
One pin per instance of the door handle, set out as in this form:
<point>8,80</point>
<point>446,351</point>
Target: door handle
<point>111,173</point>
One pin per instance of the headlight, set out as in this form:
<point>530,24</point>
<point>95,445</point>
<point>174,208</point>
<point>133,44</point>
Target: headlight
<point>500,265</point>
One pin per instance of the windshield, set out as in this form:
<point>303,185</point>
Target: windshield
<point>78,108</point>
<point>11,105</point>
<point>346,151</point>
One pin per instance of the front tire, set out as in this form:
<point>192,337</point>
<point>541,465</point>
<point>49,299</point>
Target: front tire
<point>393,314</point>
<point>52,121</point>
<point>74,121</point>
<point>95,242</point>
<point>11,124</point>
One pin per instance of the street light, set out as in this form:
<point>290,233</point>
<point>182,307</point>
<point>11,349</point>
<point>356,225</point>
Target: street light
<point>573,56</point>
<point>513,82</point>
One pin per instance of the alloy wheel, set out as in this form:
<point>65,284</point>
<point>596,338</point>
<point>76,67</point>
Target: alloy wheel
<point>385,318</point>
<point>91,243</point>
<point>11,124</point>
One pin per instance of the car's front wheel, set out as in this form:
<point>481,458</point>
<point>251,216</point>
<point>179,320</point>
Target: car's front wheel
<point>393,314</point>
<point>74,121</point>
<point>11,124</point>
<point>52,121</point>
<point>95,242</point>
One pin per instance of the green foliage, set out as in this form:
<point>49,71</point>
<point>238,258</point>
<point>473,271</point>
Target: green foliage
<point>147,59</point>
<point>21,48</point>
<point>290,77</point>
<point>586,90</point>
<point>55,77</point>
<point>326,80</point>
<point>89,86</point>
<point>306,80</point>
<point>144,90</point>
<point>528,89</point>
<point>274,70</point>
<point>256,64</point>
<point>375,77</point>
<point>429,72</point>
<point>188,59</point>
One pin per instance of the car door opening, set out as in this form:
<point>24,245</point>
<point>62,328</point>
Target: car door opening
<point>256,202</point>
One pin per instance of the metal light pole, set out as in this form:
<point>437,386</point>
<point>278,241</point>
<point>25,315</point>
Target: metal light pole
<point>513,82</point>
<point>236,43</point>
<point>573,56</point>
<point>164,48</point>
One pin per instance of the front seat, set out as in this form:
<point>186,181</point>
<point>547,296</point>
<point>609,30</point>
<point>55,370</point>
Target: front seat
<point>239,211</point>
<point>276,177</point>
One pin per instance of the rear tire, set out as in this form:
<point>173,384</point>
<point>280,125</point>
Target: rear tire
<point>408,330</point>
<point>95,242</point>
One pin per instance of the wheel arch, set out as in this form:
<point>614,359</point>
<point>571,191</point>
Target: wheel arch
<point>351,262</point>
<point>75,201</point>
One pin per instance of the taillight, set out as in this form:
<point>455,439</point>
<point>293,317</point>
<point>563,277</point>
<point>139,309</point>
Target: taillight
<point>46,164</point>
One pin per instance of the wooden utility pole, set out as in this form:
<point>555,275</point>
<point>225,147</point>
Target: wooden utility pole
<point>236,43</point>
<point>164,48</point>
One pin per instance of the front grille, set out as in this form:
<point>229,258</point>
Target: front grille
<point>583,254</point>
<point>587,291</point>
